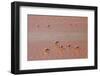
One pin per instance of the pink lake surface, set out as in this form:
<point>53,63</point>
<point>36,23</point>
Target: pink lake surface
<point>44,31</point>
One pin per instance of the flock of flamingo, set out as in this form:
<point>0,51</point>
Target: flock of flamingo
<point>57,43</point>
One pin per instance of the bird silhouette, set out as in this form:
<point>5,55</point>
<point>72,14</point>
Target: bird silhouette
<point>46,50</point>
